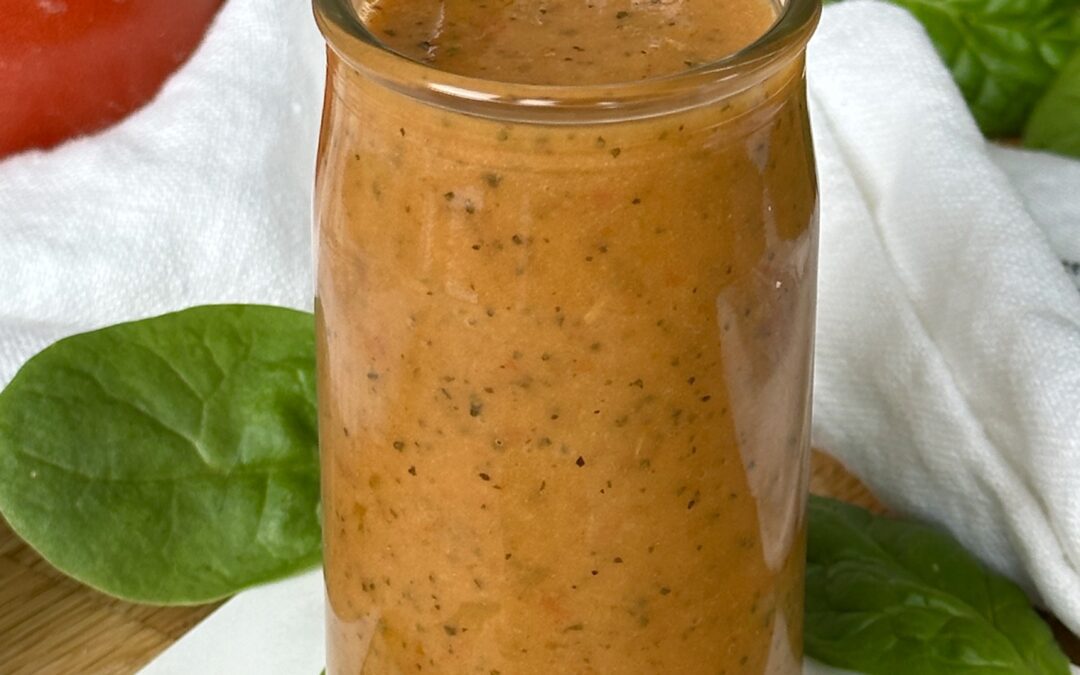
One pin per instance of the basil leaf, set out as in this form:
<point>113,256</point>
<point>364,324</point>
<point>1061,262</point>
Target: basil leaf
<point>891,597</point>
<point>1003,54</point>
<point>171,460</point>
<point>1055,123</point>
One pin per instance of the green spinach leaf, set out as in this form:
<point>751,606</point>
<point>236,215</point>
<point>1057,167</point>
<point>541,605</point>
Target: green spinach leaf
<point>1055,122</point>
<point>171,460</point>
<point>889,597</point>
<point>1002,53</point>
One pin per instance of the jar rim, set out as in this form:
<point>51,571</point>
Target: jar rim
<point>784,41</point>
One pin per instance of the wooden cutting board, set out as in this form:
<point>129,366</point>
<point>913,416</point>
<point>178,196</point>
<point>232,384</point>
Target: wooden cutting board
<point>50,624</point>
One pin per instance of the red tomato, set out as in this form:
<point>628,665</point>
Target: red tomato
<point>70,67</point>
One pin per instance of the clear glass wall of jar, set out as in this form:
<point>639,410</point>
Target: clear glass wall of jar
<point>565,344</point>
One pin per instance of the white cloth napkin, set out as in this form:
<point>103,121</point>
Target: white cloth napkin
<point>202,196</point>
<point>948,357</point>
<point>948,372</point>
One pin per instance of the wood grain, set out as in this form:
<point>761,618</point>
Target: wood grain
<point>51,625</point>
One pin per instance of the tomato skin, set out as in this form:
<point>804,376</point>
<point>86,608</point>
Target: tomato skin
<point>70,67</point>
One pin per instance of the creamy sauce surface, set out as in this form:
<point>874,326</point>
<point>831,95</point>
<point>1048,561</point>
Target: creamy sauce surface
<point>564,371</point>
<point>567,42</point>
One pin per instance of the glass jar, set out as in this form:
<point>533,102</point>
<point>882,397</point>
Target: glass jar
<point>564,348</point>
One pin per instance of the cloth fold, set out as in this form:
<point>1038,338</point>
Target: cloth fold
<point>202,196</point>
<point>948,344</point>
<point>948,357</point>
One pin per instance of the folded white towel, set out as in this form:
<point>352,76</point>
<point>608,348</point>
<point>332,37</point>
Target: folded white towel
<point>202,196</point>
<point>948,357</point>
<point>948,360</point>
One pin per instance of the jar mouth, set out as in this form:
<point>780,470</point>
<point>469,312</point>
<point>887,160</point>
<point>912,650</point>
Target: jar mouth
<point>784,41</point>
